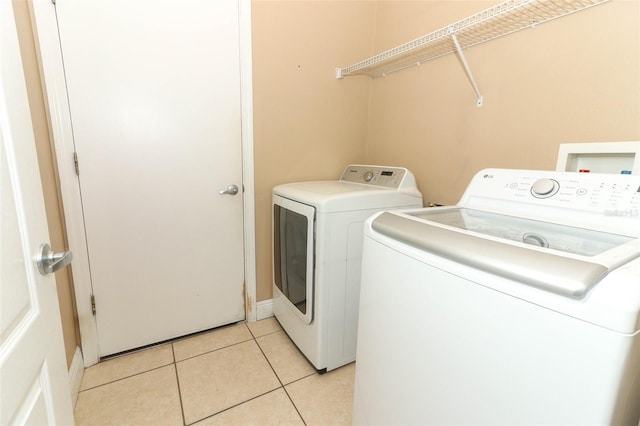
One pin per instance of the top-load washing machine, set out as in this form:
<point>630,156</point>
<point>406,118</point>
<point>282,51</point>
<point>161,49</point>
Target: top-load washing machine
<point>520,305</point>
<point>317,249</point>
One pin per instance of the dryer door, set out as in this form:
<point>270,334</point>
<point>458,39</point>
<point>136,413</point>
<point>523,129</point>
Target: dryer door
<point>293,254</point>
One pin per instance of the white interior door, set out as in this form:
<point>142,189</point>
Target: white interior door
<point>154,94</point>
<point>34,386</point>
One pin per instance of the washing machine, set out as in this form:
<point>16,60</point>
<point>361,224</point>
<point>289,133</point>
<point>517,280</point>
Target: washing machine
<point>317,251</point>
<point>519,305</point>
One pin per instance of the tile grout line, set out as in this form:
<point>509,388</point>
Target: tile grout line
<point>268,362</point>
<point>203,333</point>
<point>253,337</point>
<point>294,405</point>
<point>175,370</point>
<point>175,362</point>
<point>214,350</point>
<point>265,334</point>
<point>255,340</point>
<point>305,377</point>
<point>127,377</point>
<point>233,406</point>
<point>280,381</point>
<point>158,345</point>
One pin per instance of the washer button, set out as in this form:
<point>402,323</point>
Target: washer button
<point>368,175</point>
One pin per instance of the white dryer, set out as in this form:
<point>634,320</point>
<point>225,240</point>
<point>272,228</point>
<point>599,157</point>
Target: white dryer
<point>317,248</point>
<point>520,305</point>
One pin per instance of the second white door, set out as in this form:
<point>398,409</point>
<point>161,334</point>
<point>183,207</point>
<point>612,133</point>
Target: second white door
<point>154,93</point>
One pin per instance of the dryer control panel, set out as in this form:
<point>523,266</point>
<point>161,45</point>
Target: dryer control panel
<point>386,177</point>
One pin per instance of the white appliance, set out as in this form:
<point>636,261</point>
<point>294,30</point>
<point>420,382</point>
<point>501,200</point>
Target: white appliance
<point>520,305</point>
<point>317,249</point>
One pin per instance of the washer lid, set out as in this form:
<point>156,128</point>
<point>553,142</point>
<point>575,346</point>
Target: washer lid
<point>336,196</point>
<point>561,259</point>
<point>568,239</point>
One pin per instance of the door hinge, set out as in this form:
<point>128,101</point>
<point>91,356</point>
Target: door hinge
<point>93,305</point>
<point>75,163</point>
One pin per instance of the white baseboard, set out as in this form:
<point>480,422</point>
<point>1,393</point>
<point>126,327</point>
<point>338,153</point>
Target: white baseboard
<point>264,309</point>
<point>76,371</point>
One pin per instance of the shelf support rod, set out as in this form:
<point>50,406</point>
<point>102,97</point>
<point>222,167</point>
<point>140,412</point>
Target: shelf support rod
<point>466,68</point>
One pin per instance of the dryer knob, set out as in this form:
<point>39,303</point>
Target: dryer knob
<point>544,188</point>
<point>368,176</point>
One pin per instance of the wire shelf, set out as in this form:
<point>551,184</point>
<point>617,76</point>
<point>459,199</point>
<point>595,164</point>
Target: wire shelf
<point>500,20</point>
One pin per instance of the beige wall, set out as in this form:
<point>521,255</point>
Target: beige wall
<point>307,124</point>
<point>576,79</point>
<point>48,175</point>
<point>573,80</point>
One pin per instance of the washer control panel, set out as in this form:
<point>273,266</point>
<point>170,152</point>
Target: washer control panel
<point>387,177</point>
<point>606,194</point>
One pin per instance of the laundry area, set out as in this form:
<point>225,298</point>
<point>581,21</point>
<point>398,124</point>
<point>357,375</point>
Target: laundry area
<point>330,212</point>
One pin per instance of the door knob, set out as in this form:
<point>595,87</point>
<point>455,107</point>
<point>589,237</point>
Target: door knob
<point>49,261</point>
<point>231,190</point>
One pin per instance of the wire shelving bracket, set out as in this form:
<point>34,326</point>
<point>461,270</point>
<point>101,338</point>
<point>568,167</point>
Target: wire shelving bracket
<point>497,21</point>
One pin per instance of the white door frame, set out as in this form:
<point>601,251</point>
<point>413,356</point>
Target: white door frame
<point>45,29</point>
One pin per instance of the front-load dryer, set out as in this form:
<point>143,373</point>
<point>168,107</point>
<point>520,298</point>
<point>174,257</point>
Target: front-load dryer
<point>317,249</point>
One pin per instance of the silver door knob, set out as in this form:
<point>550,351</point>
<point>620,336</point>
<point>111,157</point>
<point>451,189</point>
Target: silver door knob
<point>49,261</point>
<point>231,190</point>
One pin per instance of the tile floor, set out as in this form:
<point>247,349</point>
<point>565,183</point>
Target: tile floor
<point>243,374</point>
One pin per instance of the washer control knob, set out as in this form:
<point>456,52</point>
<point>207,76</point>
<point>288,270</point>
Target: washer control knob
<point>368,176</point>
<point>544,188</point>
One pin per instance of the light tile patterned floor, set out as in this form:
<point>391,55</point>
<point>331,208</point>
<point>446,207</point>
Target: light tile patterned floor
<point>244,374</point>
